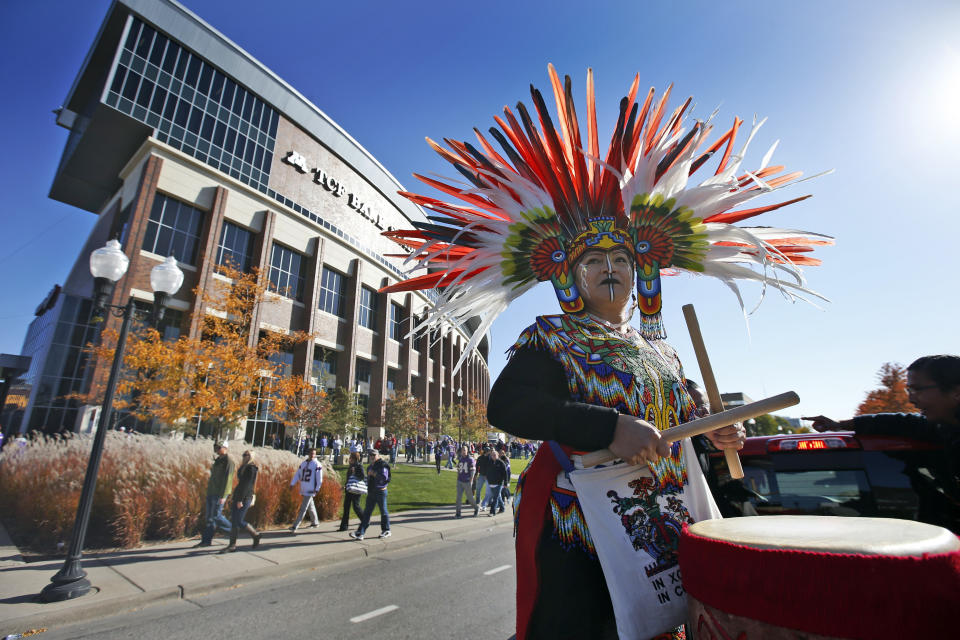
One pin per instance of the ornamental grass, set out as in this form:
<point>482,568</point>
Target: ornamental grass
<point>148,488</point>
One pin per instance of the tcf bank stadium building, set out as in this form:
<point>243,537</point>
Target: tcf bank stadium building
<point>182,144</point>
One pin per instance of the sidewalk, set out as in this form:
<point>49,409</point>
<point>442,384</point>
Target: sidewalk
<point>133,578</point>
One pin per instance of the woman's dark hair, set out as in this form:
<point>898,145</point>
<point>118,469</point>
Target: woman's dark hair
<point>354,457</point>
<point>943,370</point>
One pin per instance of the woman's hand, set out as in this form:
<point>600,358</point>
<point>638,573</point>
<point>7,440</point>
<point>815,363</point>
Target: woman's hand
<point>636,441</point>
<point>732,437</point>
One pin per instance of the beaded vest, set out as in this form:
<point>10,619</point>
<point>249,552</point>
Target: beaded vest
<point>627,373</point>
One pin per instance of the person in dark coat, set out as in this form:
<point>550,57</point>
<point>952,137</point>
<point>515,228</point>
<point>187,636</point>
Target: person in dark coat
<point>242,500</point>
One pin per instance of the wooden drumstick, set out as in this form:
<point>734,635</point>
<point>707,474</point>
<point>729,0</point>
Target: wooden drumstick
<point>710,382</point>
<point>708,423</point>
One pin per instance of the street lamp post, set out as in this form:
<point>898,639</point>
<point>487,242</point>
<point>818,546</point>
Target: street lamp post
<point>460,420</point>
<point>107,264</point>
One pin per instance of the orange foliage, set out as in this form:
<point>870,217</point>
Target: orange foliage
<point>211,375</point>
<point>892,396</point>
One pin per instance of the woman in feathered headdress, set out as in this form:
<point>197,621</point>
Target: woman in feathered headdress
<point>602,231</point>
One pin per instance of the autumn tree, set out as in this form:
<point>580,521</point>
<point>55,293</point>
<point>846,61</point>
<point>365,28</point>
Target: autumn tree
<point>449,421</point>
<point>474,421</point>
<point>153,384</point>
<point>404,415</point>
<point>210,375</point>
<point>892,396</point>
<point>344,414</point>
<point>300,405</point>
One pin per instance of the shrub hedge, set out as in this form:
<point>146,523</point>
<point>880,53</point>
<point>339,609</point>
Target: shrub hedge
<point>148,488</point>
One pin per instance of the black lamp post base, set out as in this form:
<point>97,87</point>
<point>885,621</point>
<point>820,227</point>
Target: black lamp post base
<point>66,585</point>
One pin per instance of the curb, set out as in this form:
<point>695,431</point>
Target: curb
<point>93,608</point>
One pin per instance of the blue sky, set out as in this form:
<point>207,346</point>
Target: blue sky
<point>870,89</point>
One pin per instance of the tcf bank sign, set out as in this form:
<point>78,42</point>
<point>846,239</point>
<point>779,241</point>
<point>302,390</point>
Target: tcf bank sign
<point>334,186</point>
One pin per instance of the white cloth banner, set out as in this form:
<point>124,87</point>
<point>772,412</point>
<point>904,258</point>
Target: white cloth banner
<point>635,524</point>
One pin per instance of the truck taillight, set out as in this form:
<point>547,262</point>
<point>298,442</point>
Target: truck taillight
<point>813,444</point>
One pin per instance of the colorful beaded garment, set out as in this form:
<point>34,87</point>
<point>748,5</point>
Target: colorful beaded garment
<point>630,374</point>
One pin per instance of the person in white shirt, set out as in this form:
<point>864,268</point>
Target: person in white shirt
<point>310,476</point>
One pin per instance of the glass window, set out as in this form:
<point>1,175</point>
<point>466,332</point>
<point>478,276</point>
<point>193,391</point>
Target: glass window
<point>132,36</point>
<point>159,103</point>
<point>367,314</point>
<point>395,322</point>
<point>325,367</point>
<point>159,45</point>
<point>391,381</point>
<point>235,246</point>
<point>173,229</point>
<point>331,292</point>
<point>170,58</point>
<point>363,371</point>
<point>146,39</point>
<point>283,360</point>
<point>286,272</point>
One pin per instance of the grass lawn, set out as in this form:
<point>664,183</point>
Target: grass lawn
<point>416,487</point>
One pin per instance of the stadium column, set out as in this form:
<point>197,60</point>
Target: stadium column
<point>378,368</point>
<point>303,352</point>
<point>434,346</point>
<point>468,387</point>
<point>406,358</point>
<point>449,387</point>
<point>207,259</point>
<point>261,260</point>
<point>424,368</point>
<point>347,359</point>
<point>139,217</point>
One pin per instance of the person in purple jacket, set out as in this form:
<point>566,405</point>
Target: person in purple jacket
<point>378,477</point>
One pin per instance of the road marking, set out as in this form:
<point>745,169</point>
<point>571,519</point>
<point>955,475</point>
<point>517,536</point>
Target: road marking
<point>375,613</point>
<point>497,570</point>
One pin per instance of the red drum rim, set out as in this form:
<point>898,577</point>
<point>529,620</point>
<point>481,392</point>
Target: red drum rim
<point>844,595</point>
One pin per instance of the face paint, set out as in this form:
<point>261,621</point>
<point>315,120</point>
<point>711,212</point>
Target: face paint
<point>582,282</point>
<point>610,271</point>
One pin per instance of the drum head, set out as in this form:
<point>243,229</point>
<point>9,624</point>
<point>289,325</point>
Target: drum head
<point>831,534</point>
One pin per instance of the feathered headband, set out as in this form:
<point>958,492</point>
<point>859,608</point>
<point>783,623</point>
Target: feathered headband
<point>530,211</point>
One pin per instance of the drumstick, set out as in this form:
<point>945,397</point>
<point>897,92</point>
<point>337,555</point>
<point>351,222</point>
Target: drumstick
<point>710,383</point>
<point>708,423</point>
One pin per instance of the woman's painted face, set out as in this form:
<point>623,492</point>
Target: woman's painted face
<point>604,278</point>
<point>936,404</point>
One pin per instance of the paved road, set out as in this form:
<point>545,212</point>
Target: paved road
<point>458,588</point>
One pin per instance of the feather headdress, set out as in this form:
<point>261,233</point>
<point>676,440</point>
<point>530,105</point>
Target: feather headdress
<point>530,209</point>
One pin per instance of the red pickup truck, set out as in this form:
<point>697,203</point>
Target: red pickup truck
<point>837,473</point>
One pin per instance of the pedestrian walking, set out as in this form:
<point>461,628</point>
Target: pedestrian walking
<point>496,476</point>
<point>353,490</point>
<point>309,475</point>
<point>337,445</point>
<point>505,487</point>
<point>450,455</point>
<point>466,471</point>
<point>483,463</point>
<point>243,498</point>
<point>438,455</point>
<point>378,477</point>
<point>218,488</point>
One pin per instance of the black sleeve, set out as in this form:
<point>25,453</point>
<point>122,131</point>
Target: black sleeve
<point>904,425</point>
<point>530,400</point>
